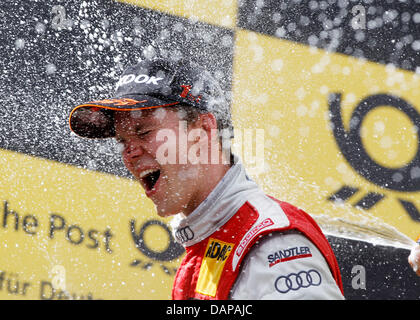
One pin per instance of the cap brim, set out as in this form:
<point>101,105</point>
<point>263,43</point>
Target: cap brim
<point>96,119</point>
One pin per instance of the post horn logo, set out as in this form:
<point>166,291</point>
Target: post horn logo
<point>172,251</point>
<point>351,146</point>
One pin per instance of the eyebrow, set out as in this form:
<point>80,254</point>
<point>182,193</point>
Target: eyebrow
<point>147,120</point>
<point>139,127</point>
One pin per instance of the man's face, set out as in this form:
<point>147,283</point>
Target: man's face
<point>171,186</point>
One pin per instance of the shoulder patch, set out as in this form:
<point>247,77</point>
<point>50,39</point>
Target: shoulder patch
<point>270,217</point>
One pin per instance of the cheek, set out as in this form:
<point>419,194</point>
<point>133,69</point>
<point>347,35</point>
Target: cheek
<point>165,152</point>
<point>187,174</point>
<point>128,164</point>
<point>130,155</point>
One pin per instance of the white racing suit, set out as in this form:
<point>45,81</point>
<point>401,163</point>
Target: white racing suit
<point>242,244</point>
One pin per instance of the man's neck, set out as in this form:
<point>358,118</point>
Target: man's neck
<point>209,178</point>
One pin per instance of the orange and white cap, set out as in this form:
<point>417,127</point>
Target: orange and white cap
<point>147,85</point>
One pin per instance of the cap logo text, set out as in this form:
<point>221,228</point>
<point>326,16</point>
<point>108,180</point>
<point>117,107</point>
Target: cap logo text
<point>141,78</point>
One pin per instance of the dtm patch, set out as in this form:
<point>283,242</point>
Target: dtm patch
<point>288,254</point>
<point>216,254</point>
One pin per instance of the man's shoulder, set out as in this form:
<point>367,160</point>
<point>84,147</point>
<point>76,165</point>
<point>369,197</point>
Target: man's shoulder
<point>285,265</point>
<point>276,215</point>
<point>287,206</point>
<point>268,205</point>
<point>272,215</point>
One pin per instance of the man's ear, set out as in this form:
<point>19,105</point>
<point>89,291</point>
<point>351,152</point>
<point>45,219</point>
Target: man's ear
<point>207,121</point>
<point>207,124</point>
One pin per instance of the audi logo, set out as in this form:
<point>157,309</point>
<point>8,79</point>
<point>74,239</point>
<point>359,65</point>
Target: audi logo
<point>184,234</point>
<point>295,281</point>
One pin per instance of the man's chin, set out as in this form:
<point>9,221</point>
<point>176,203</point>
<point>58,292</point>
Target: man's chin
<point>164,212</point>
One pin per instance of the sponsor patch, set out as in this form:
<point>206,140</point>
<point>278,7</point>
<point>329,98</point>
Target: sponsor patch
<point>288,254</point>
<point>184,234</point>
<point>296,281</point>
<point>252,233</point>
<point>216,254</point>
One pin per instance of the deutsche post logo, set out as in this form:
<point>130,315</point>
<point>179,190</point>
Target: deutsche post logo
<point>173,250</point>
<point>405,178</point>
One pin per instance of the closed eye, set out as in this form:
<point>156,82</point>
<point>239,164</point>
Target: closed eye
<point>142,134</point>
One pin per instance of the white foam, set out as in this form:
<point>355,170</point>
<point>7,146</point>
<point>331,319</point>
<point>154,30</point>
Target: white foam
<point>412,257</point>
<point>383,234</point>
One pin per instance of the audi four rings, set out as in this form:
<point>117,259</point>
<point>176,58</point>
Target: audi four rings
<point>184,234</point>
<point>295,281</point>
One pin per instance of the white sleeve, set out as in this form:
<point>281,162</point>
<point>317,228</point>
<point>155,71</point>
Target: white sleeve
<point>285,266</point>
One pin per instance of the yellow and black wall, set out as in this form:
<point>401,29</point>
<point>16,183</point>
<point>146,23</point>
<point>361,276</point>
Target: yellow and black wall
<point>334,85</point>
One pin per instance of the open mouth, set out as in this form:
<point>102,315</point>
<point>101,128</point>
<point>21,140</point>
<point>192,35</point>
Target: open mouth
<point>149,178</point>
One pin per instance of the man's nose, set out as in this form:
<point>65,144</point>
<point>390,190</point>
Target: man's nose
<point>132,152</point>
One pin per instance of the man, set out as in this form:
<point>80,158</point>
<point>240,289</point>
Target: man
<point>414,257</point>
<point>174,126</point>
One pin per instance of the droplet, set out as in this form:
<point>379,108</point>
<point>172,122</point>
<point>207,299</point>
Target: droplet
<point>50,68</point>
<point>20,43</point>
<point>40,28</point>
